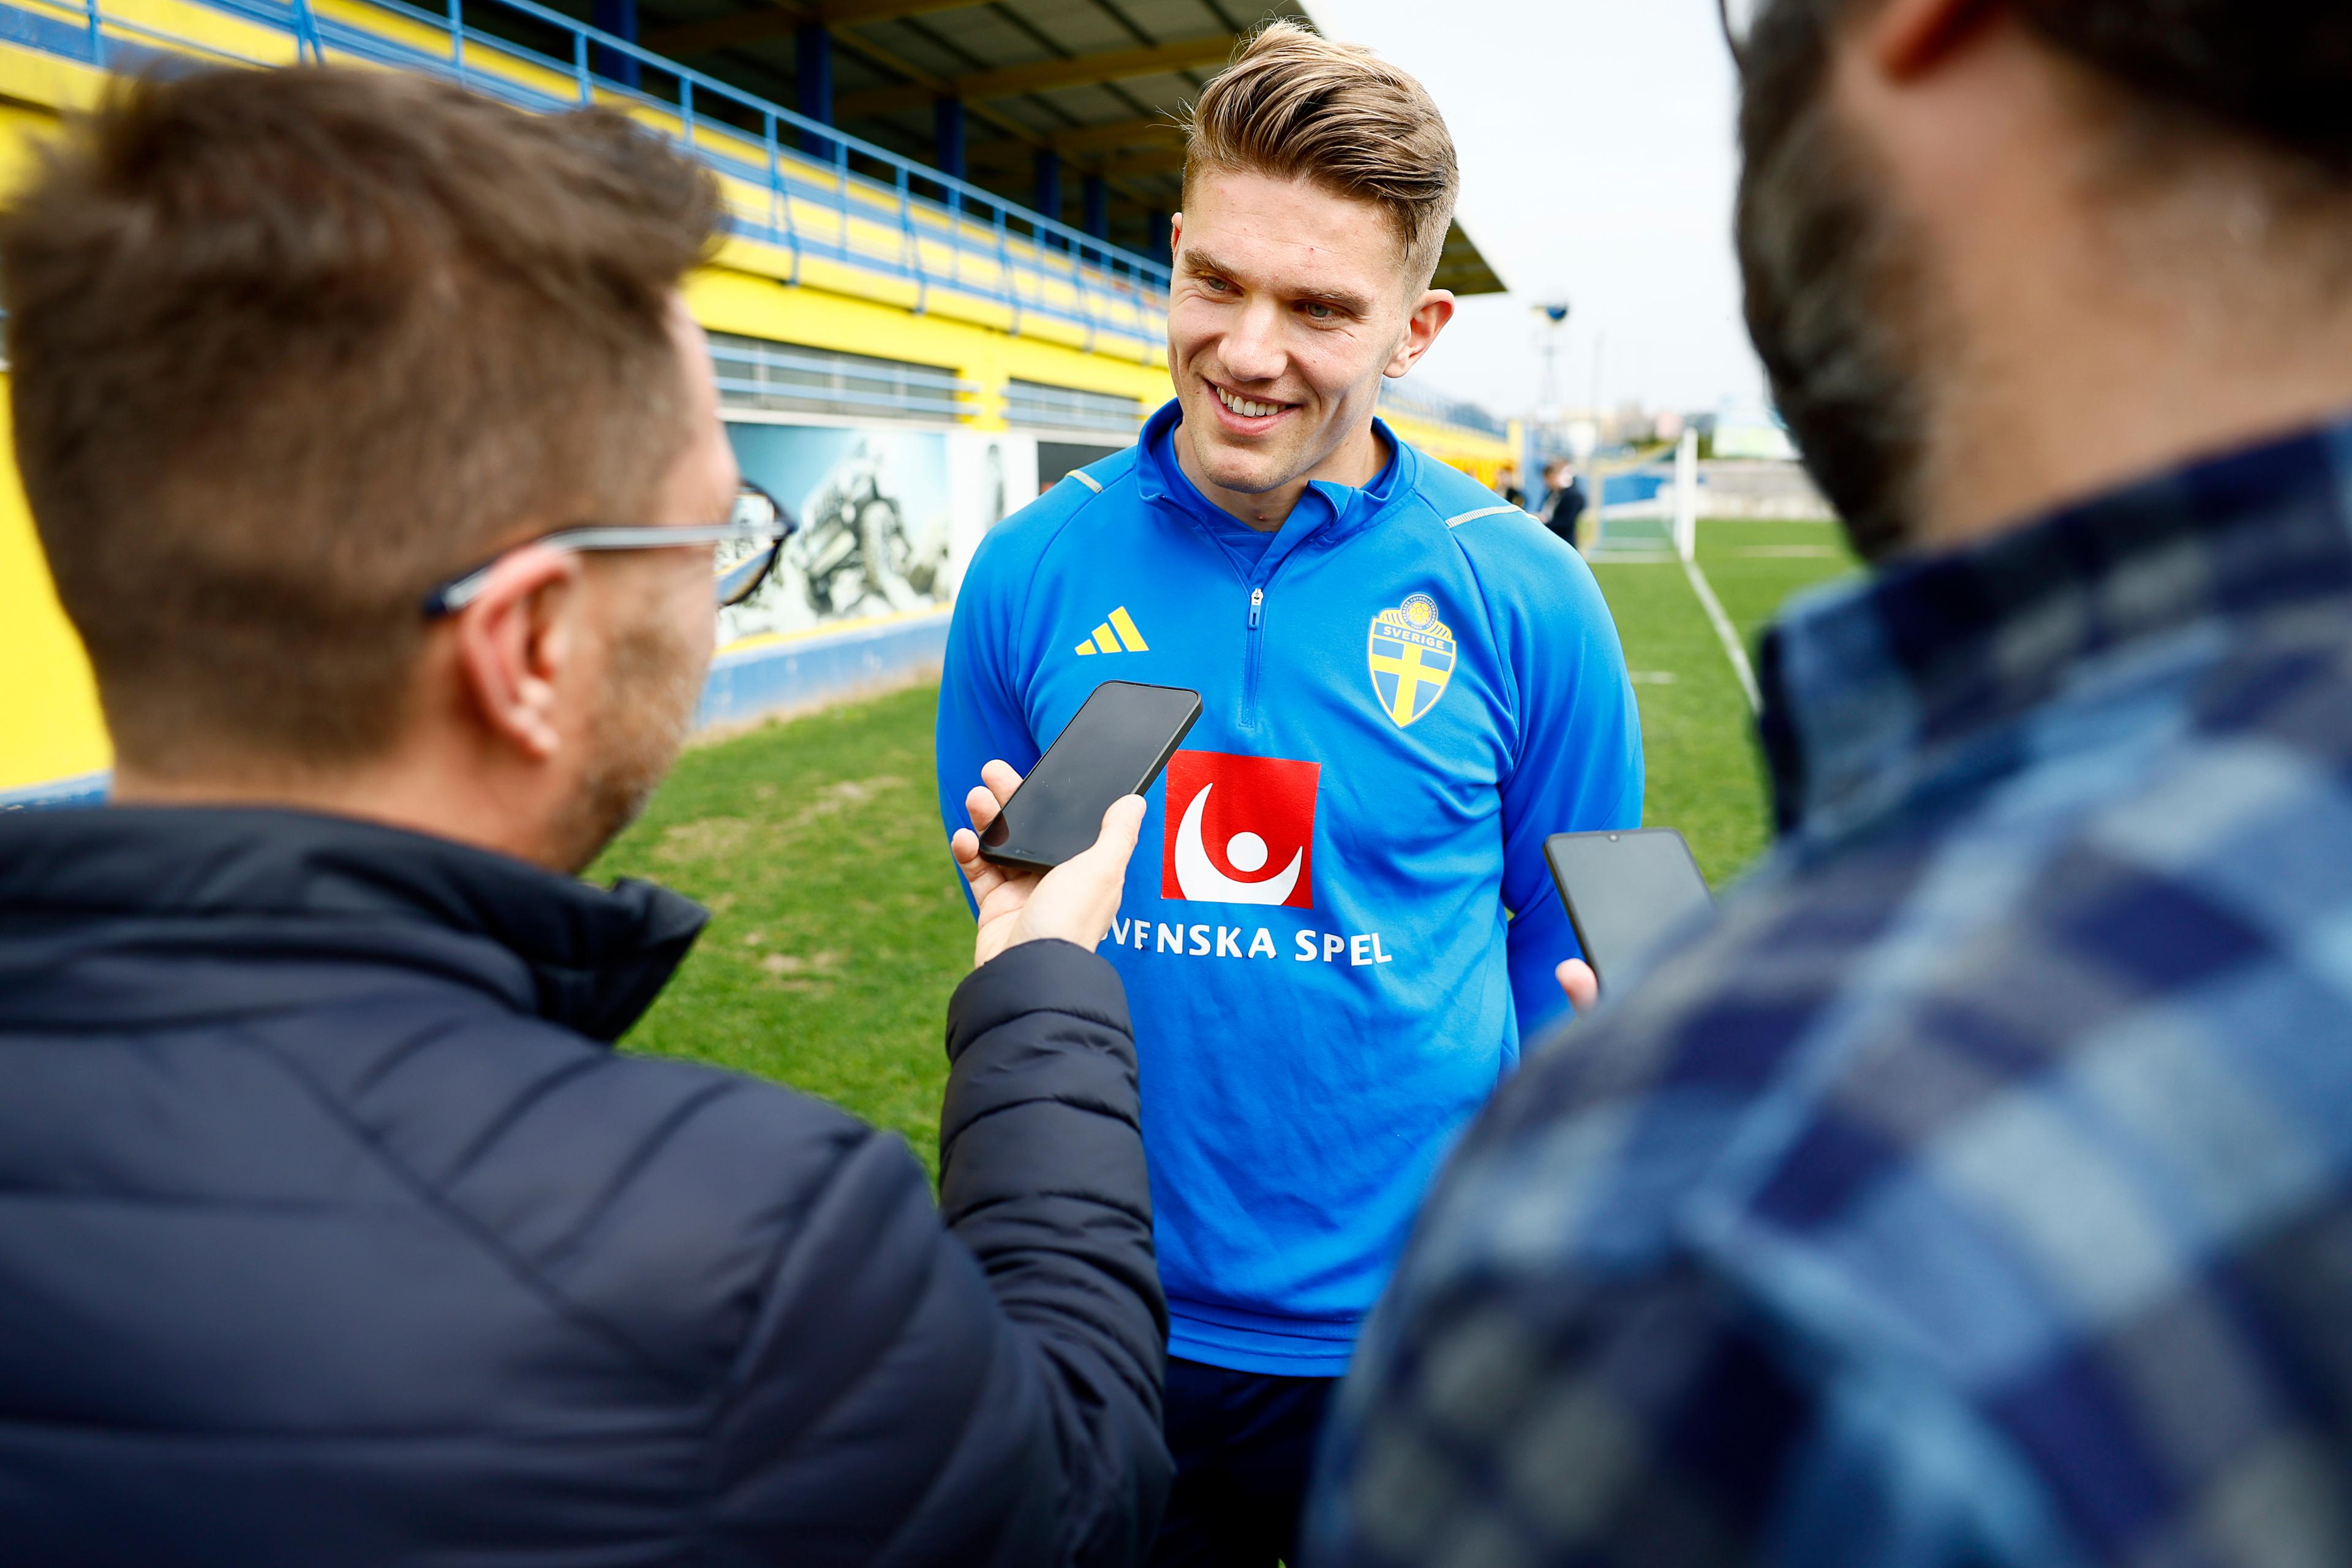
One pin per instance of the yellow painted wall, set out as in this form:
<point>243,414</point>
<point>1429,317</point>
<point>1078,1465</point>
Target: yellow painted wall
<point>732,298</point>
<point>49,724</point>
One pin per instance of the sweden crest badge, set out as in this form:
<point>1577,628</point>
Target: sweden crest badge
<point>1411,659</point>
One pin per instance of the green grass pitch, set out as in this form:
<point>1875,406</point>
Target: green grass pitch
<point>839,927</point>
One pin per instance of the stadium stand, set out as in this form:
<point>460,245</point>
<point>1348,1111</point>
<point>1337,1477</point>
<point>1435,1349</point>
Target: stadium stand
<point>907,347</point>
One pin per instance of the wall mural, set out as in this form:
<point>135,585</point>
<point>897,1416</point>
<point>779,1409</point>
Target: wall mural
<point>887,518</point>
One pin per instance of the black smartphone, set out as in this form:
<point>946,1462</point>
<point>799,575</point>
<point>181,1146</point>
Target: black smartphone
<point>1116,745</point>
<point>1625,890</point>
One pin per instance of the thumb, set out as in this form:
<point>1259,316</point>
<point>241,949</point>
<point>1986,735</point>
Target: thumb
<point>1122,824</point>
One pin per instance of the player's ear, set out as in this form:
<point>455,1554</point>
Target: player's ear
<point>1434,309</point>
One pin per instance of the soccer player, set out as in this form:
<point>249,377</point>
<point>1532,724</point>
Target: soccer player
<point>1348,926</point>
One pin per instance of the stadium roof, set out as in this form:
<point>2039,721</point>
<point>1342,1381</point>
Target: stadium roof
<point>1097,83</point>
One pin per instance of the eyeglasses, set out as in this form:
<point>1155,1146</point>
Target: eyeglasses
<point>1738,22</point>
<point>743,549</point>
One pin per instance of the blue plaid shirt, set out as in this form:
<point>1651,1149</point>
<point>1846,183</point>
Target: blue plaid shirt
<point>1979,1188</point>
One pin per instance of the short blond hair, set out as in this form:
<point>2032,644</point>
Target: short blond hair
<point>1295,105</point>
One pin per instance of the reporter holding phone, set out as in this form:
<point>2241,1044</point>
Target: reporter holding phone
<point>335,1230</point>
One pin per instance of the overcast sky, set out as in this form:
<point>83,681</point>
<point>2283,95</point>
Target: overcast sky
<point>1598,161</point>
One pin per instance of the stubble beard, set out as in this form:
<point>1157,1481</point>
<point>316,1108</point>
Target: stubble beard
<point>1836,307</point>
<point>654,683</point>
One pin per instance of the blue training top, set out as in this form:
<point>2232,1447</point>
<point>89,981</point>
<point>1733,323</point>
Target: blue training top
<point>1403,693</point>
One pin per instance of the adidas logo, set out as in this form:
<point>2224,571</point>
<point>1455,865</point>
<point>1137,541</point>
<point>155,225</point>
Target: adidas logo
<point>1117,635</point>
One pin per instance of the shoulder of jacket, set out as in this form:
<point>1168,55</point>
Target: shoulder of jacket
<point>1104,474</point>
<point>1457,501</point>
<point>622,1125</point>
<point>1522,568</point>
<point>1490,532</point>
<point>1078,492</point>
<point>723,1135</point>
<point>691,1174</point>
<point>1016,546</point>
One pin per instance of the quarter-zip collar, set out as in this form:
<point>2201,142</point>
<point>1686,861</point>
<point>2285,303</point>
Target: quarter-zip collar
<point>1327,511</point>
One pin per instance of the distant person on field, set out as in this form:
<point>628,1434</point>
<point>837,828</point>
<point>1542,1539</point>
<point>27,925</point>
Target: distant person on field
<point>1565,501</point>
<point>336,1232</point>
<point>1507,485</point>
<point>1342,923</point>
<point>1979,1191</point>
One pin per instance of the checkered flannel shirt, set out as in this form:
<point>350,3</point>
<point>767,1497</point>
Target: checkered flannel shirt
<point>1979,1188</point>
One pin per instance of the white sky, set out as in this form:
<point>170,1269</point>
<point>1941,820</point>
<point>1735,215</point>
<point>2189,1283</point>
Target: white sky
<point>1598,162</point>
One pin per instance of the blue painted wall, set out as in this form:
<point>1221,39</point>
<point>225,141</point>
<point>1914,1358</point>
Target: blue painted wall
<point>800,672</point>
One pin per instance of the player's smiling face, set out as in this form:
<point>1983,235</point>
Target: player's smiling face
<point>1289,306</point>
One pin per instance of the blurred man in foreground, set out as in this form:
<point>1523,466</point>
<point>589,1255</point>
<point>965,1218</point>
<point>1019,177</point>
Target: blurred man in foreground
<point>1981,1190</point>
<point>380,468</point>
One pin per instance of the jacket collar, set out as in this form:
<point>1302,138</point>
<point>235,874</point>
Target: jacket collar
<point>1867,688</point>
<point>1328,511</point>
<point>302,904</point>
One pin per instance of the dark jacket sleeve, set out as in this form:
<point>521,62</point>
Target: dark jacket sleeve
<point>987,1393</point>
<point>1042,1176</point>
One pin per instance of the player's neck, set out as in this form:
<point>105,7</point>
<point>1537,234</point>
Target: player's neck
<point>1355,463</point>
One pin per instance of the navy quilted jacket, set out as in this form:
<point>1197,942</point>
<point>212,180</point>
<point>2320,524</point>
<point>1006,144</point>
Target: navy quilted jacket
<point>333,1231</point>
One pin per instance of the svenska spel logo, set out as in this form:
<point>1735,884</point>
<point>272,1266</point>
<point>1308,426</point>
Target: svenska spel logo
<point>1240,830</point>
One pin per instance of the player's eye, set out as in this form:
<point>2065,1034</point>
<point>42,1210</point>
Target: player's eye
<point>1318,311</point>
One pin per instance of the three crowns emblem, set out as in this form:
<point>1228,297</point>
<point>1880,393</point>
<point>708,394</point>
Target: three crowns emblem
<point>1412,658</point>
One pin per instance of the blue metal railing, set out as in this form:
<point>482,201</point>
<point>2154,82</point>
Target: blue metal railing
<point>780,374</point>
<point>1439,409</point>
<point>1109,289</point>
<point>1031,403</point>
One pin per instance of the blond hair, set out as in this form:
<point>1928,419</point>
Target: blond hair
<point>1295,105</point>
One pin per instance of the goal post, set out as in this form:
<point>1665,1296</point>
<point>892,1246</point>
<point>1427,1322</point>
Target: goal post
<point>1686,495</point>
<point>1647,509</point>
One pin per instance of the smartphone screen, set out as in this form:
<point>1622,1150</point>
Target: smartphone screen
<point>1116,745</point>
<point>1624,891</point>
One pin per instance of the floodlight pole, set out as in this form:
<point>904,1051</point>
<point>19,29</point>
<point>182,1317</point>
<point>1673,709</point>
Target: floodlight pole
<point>1555,313</point>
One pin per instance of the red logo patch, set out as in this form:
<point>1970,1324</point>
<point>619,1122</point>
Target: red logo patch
<point>1240,830</point>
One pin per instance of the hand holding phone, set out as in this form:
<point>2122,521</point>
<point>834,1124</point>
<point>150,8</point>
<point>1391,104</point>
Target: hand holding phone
<point>1047,855</point>
<point>1115,745</point>
<point>1623,891</point>
<point>1073,902</point>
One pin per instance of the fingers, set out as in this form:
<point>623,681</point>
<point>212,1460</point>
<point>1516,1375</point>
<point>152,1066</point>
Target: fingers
<point>981,876</point>
<point>986,798</point>
<point>981,804</point>
<point>1577,979</point>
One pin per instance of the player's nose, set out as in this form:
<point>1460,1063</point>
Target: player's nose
<point>1253,349</point>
